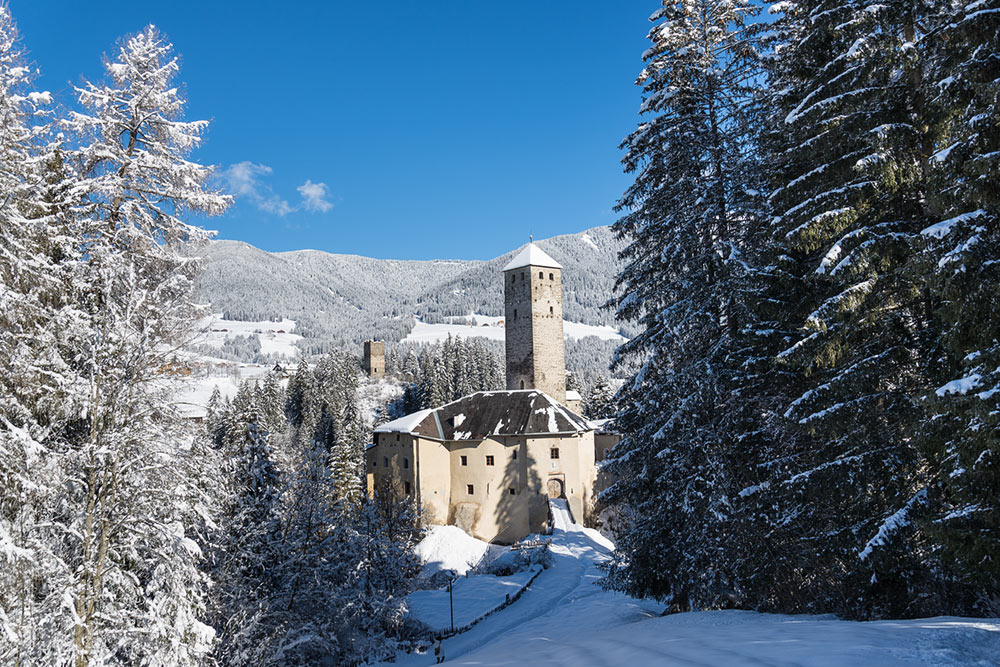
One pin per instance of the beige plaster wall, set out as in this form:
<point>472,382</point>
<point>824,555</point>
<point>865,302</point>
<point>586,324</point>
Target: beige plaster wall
<point>490,512</point>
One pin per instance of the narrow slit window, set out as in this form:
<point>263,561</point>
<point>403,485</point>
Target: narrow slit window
<point>406,463</point>
<point>470,489</point>
<point>552,276</point>
<point>385,461</point>
<point>489,460</point>
<point>406,488</point>
<point>554,453</point>
<point>515,454</point>
<point>512,491</point>
<point>551,310</point>
<point>541,274</point>
<point>465,460</point>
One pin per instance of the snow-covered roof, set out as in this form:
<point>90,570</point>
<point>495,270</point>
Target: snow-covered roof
<point>573,395</point>
<point>488,413</point>
<point>531,255</point>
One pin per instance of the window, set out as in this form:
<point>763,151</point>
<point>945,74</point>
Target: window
<point>551,311</point>
<point>511,491</point>
<point>397,437</point>
<point>515,454</point>
<point>541,274</point>
<point>513,278</point>
<point>376,439</point>
<point>374,463</point>
<point>552,276</point>
<point>465,460</point>
<point>406,463</point>
<point>406,488</point>
<point>522,384</point>
<point>470,489</point>
<point>554,453</point>
<point>523,275</point>
<point>489,460</point>
<point>515,314</point>
<point>385,461</point>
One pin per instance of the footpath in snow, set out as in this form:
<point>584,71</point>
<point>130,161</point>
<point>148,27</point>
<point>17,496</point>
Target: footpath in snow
<point>564,618</point>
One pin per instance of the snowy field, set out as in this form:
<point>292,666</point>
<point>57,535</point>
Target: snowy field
<point>493,328</point>
<point>451,548</point>
<point>565,619</point>
<point>275,337</point>
<point>474,597</point>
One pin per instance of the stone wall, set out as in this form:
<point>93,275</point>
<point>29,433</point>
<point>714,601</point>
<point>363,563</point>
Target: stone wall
<point>373,360</point>
<point>536,357</point>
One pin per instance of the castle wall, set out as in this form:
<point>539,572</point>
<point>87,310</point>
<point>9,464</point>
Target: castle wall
<point>491,512</point>
<point>573,471</point>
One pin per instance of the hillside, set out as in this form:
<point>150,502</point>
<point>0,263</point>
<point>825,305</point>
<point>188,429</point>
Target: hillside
<point>347,298</point>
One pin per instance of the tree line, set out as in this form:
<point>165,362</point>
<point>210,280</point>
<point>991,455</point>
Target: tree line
<point>812,256</point>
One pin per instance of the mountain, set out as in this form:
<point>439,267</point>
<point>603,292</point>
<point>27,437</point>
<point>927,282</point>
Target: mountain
<point>345,299</point>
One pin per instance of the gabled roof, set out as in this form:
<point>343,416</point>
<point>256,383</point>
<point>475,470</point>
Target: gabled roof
<point>531,255</point>
<point>488,413</point>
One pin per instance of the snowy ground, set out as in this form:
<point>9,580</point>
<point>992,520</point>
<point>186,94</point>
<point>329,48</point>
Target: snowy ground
<point>492,328</point>
<point>275,337</point>
<point>565,619</point>
<point>474,596</point>
<point>451,548</point>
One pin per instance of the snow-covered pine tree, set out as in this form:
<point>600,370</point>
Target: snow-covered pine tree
<point>685,218</point>
<point>600,402</point>
<point>40,391</point>
<point>122,517</point>
<point>960,268</point>
<point>850,139</point>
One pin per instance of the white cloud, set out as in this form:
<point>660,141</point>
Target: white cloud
<point>243,179</point>
<point>314,196</point>
<point>246,179</point>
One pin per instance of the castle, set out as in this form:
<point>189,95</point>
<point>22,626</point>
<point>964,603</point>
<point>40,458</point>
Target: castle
<point>489,462</point>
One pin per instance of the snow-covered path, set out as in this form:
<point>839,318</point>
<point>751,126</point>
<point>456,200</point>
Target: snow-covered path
<point>565,619</point>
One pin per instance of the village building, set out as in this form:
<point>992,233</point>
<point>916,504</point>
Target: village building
<point>489,462</point>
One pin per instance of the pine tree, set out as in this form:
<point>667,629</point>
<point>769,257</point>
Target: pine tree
<point>958,266</point>
<point>848,149</point>
<point>686,217</point>
<point>600,402</point>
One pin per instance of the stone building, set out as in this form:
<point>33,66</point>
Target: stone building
<point>533,318</point>
<point>373,359</point>
<point>489,462</point>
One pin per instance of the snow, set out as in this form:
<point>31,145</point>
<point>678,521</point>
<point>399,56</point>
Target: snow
<point>531,255</point>
<point>941,229</point>
<point>491,328</point>
<point>589,241</point>
<point>895,521</point>
<point>192,396</point>
<point>404,424</point>
<point>564,618</point>
<point>275,337</point>
<point>473,597</point>
<point>960,386</point>
<point>451,548</point>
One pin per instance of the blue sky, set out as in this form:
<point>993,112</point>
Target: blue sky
<point>409,130</point>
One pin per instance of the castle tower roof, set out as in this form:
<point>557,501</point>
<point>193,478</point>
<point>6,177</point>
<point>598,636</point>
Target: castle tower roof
<point>532,255</point>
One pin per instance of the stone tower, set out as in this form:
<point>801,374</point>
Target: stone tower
<point>536,358</point>
<point>374,358</point>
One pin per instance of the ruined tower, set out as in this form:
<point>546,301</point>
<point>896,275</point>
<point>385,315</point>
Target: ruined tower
<point>374,358</point>
<point>536,357</point>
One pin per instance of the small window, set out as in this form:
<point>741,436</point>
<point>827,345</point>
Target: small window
<point>522,384</point>
<point>397,437</point>
<point>465,460</point>
<point>551,311</point>
<point>523,275</point>
<point>374,463</point>
<point>385,461</point>
<point>489,460</point>
<point>375,439</point>
<point>513,278</point>
<point>554,453</point>
<point>552,276</point>
<point>511,491</point>
<point>515,314</point>
<point>541,274</point>
<point>470,489</point>
<point>406,488</point>
<point>515,454</point>
<point>406,463</point>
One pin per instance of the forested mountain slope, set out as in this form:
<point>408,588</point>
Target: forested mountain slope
<point>348,298</point>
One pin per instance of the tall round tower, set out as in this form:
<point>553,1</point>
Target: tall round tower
<point>536,357</point>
